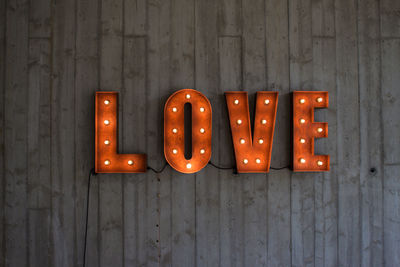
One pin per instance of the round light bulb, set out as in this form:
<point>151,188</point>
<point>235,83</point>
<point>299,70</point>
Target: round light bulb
<point>302,101</point>
<point>260,141</point>
<point>320,130</point>
<point>107,162</point>
<point>319,99</point>
<point>106,142</point>
<point>302,140</point>
<point>302,161</point>
<point>302,120</point>
<point>264,121</point>
<point>202,151</point>
<point>239,122</point>
<point>242,141</point>
<point>106,122</point>
<point>188,166</point>
<point>187,96</point>
<point>174,109</point>
<point>258,161</point>
<point>106,102</point>
<point>320,163</point>
<point>202,130</point>
<point>175,151</point>
<point>245,161</point>
<point>266,101</point>
<point>174,130</point>
<point>236,101</point>
<point>202,109</point>
<point>130,162</point>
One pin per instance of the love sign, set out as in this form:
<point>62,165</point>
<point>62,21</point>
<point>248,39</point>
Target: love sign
<point>252,150</point>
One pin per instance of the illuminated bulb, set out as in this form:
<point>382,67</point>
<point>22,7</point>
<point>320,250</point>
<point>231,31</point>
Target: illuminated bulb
<point>302,161</point>
<point>302,101</point>
<point>236,101</point>
<point>320,130</point>
<point>202,130</point>
<point>302,140</point>
<point>264,121</point>
<point>202,109</point>
<point>319,99</point>
<point>106,142</point>
<point>175,151</point>
<point>130,162</point>
<point>245,161</point>
<point>242,141</point>
<point>107,162</point>
<point>266,101</point>
<point>106,122</point>
<point>174,109</point>
<point>239,122</point>
<point>320,163</point>
<point>258,161</point>
<point>187,96</point>
<point>202,151</point>
<point>188,166</point>
<point>106,102</point>
<point>174,130</point>
<point>302,121</point>
<point>260,141</point>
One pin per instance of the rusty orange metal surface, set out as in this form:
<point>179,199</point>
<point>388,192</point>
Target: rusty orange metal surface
<point>107,159</point>
<point>253,154</point>
<point>174,136</point>
<point>305,130</point>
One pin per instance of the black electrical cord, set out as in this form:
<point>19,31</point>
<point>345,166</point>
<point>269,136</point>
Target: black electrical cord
<point>156,171</point>
<point>87,216</point>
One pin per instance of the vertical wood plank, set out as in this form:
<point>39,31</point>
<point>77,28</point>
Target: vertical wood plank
<point>277,47</point>
<point>348,133</point>
<point>390,19</point>
<point>302,184</point>
<point>40,18</point>
<point>371,148</point>
<point>231,233</point>
<point>15,134</point>
<point>86,83</point>
<point>229,17</point>
<point>207,181</point>
<point>135,15</point>
<point>39,237</point>
<point>2,128</point>
<point>62,131</point>
<point>110,186</point>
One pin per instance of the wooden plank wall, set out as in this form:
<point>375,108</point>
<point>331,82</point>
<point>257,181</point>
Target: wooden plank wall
<point>54,55</point>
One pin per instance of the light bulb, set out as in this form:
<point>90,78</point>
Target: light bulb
<point>245,161</point>
<point>258,161</point>
<point>242,141</point>
<point>320,163</point>
<point>175,151</point>
<point>202,109</point>
<point>106,122</point>
<point>239,122</point>
<point>202,151</point>
<point>106,102</point>
<point>107,162</point>
<point>302,120</point>
<point>319,99</point>
<point>302,161</point>
<point>266,101</point>
<point>260,141</point>
<point>302,101</point>
<point>320,130</point>
<point>174,109</point>
<point>187,96</point>
<point>236,101</point>
<point>188,166</point>
<point>106,142</point>
<point>264,121</point>
<point>302,140</point>
<point>202,130</point>
<point>174,130</point>
<point>130,162</point>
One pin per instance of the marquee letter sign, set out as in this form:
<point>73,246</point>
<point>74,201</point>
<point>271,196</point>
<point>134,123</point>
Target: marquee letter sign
<point>107,159</point>
<point>305,130</point>
<point>253,154</point>
<point>174,135</point>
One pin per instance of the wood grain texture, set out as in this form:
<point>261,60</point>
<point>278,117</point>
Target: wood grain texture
<point>54,55</point>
